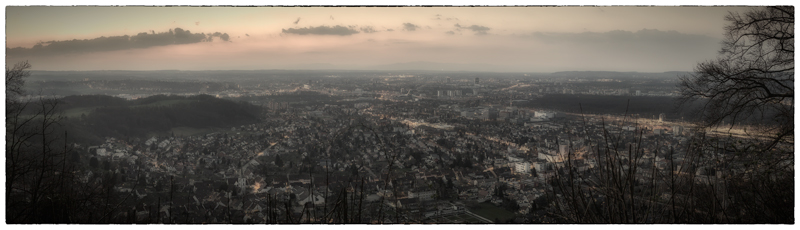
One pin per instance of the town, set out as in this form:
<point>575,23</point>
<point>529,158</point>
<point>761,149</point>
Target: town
<point>425,154</point>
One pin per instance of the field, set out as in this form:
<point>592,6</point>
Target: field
<point>457,218</point>
<point>491,212</point>
<point>189,131</point>
<point>76,112</point>
<point>164,103</point>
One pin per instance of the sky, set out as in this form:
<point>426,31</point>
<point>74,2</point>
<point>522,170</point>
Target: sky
<point>514,39</point>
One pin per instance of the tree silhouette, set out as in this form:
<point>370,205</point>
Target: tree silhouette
<point>744,178</point>
<point>752,82</point>
<point>93,162</point>
<point>278,161</point>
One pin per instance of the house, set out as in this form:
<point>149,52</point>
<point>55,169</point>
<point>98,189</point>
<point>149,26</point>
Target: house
<point>422,194</point>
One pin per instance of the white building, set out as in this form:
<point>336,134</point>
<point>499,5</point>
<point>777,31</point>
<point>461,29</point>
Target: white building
<point>522,167</point>
<point>544,114</point>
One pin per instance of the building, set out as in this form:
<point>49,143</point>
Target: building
<point>677,130</point>
<point>544,114</point>
<point>662,117</point>
<point>477,81</point>
<point>421,194</point>
<point>563,149</point>
<point>522,167</point>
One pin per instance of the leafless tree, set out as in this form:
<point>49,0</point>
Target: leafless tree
<point>42,184</point>
<point>752,80</point>
<point>36,164</point>
<point>15,79</point>
<point>720,178</point>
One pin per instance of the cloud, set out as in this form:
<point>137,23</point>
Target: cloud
<point>450,32</point>
<point>368,29</point>
<point>223,36</point>
<point>196,23</point>
<point>101,44</point>
<point>479,30</point>
<point>298,20</point>
<point>410,27</point>
<point>321,30</point>
<point>390,30</point>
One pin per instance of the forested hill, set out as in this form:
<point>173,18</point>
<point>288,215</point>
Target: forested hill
<point>91,118</point>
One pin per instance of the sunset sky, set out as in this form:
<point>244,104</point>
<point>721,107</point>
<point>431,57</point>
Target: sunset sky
<point>533,39</point>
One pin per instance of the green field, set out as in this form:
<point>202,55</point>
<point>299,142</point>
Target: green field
<point>189,131</point>
<point>76,112</point>
<point>164,103</point>
<point>491,212</point>
<point>460,218</point>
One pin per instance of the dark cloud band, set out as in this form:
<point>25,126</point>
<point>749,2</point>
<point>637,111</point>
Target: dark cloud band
<point>480,30</point>
<point>410,27</point>
<point>112,43</point>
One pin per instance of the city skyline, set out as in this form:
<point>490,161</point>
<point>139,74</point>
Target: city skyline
<point>500,39</point>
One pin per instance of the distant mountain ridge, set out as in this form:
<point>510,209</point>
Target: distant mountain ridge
<point>400,66</point>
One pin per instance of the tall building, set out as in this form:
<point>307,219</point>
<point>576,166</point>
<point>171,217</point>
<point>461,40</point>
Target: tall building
<point>677,130</point>
<point>477,81</point>
<point>662,117</point>
<point>448,80</point>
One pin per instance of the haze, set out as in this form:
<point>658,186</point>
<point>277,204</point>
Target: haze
<point>534,39</point>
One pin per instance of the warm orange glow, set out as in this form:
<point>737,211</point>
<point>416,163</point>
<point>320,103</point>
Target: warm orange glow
<point>513,38</point>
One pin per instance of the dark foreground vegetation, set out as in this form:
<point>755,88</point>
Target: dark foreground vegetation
<point>747,178</point>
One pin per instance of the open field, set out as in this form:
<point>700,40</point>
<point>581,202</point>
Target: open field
<point>458,218</point>
<point>491,212</point>
<point>164,103</point>
<point>190,131</point>
<point>76,112</point>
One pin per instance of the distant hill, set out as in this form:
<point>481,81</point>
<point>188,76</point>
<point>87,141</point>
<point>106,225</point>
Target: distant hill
<point>615,74</point>
<point>436,66</point>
